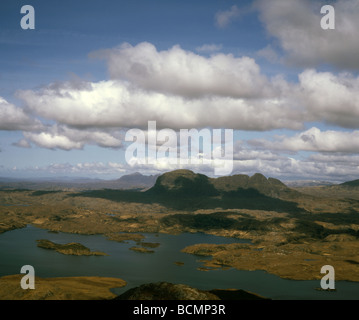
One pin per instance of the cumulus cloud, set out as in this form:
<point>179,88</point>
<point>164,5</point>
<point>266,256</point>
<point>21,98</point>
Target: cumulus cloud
<point>314,140</point>
<point>183,90</point>
<point>331,98</point>
<point>62,137</point>
<point>13,118</point>
<point>185,73</point>
<point>176,88</point>
<point>296,25</point>
<point>117,104</point>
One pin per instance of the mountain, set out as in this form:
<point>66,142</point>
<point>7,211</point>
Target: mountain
<point>186,190</point>
<point>270,187</point>
<point>186,182</point>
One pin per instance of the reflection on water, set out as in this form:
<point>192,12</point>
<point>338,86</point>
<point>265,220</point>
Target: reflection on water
<point>18,248</point>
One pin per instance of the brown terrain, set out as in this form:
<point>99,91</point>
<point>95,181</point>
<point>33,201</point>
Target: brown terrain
<point>68,288</point>
<point>294,232</point>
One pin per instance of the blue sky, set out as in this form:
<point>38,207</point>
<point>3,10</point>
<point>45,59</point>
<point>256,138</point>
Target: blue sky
<point>264,68</point>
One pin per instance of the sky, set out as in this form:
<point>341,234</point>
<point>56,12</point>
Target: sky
<point>72,87</point>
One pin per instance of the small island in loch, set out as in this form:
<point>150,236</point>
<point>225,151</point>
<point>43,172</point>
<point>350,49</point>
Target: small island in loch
<point>72,248</point>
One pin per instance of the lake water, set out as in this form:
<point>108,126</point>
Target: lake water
<point>18,248</point>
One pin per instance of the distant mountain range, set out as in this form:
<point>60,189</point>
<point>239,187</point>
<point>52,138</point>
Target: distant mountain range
<point>308,183</point>
<point>131,181</point>
<point>184,182</point>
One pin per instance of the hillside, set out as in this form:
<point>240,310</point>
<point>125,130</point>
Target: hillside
<point>353,183</point>
<point>190,183</point>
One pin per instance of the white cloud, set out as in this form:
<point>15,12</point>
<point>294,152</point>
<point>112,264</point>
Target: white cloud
<point>314,140</point>
<point>185,73</point>
<point>176,88</point>
<point>51,141</point>
<point>331,98</point>
<point>296,24</point>
<point>62,137</point>
<point>13,118</point>
<point>83,168</point>
<point>117,104</point>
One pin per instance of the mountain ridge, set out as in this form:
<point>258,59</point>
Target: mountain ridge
<point>187,182</point>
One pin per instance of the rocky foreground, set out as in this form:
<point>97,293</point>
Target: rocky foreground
<point>98,288</point>
<point>67,288</point>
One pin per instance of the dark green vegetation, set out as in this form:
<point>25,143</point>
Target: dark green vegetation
<point>353,183</point>
<point>307,224</point>
<point>218,220</point>
<point>308,229</point>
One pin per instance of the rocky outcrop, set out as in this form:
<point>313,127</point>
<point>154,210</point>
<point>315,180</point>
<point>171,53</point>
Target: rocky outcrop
<point>170,291</point>
<point>166,291</point>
